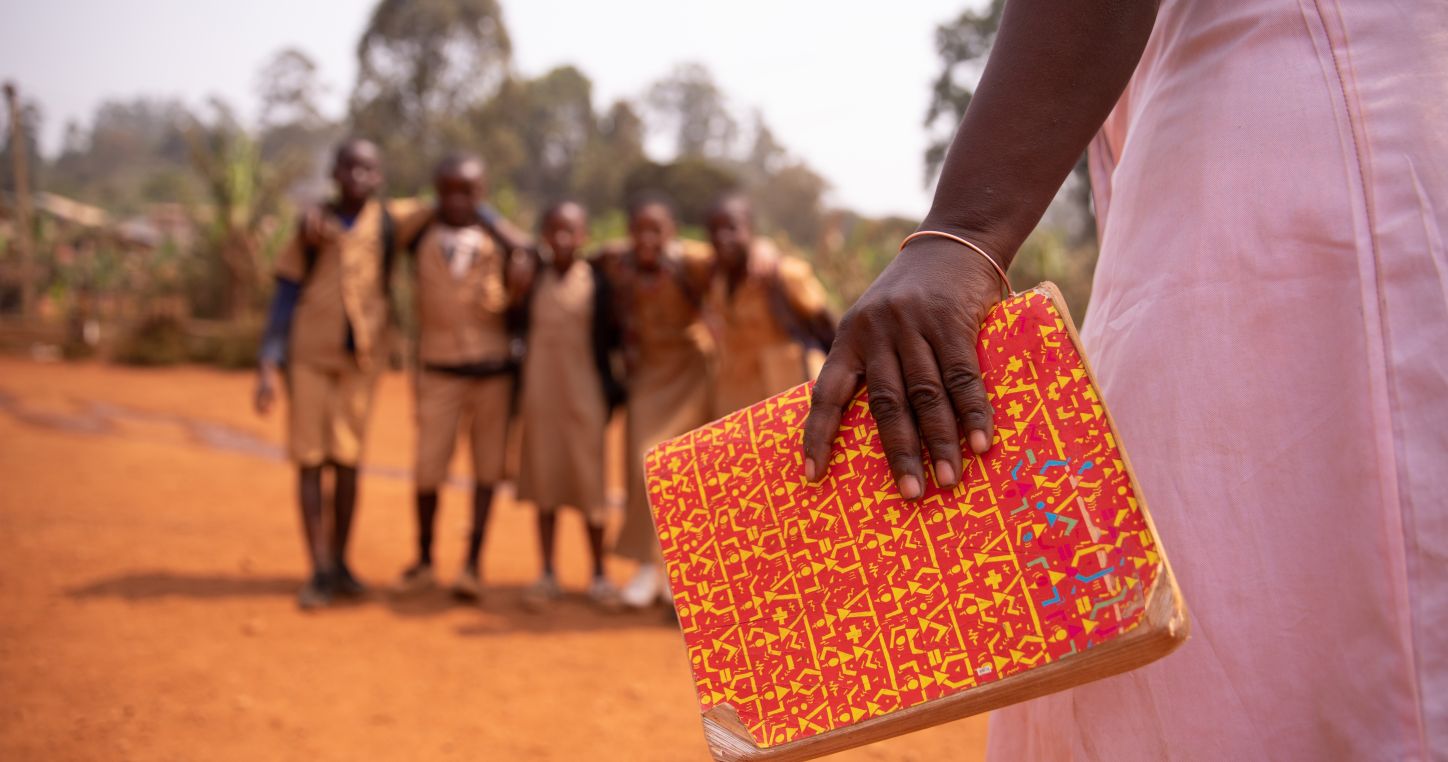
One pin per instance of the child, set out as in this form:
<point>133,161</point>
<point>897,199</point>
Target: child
<point>466,357</point>
<point>325,336</point>
<point>662,283</point>
<point>568,390</point>
<point>769,312</point>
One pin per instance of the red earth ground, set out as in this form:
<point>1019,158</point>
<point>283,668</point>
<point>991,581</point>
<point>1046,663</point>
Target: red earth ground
<point>149,558</point>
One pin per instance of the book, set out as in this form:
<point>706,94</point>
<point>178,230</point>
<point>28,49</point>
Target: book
<point>819,617</point>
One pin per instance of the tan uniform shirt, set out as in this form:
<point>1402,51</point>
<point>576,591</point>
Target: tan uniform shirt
<point>759,354</point>
<point>461,299</point>
<point>343,286</point>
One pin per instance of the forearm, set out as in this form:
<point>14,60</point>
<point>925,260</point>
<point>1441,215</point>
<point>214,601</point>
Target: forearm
<point>1055,73</point>
<point>511,235</point>
<point>279,322</point>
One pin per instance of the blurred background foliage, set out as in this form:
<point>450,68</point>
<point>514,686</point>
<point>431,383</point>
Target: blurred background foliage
<point>156,223</point>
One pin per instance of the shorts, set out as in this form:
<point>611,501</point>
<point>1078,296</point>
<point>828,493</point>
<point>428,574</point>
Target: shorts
<point>447,402</point>
<point>327,413</point>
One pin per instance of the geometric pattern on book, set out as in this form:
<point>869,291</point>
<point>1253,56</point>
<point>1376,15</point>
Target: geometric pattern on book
<point>813,607</point>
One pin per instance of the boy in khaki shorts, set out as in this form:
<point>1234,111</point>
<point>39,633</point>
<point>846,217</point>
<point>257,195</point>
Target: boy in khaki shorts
<point>326,337</point>
<point>466,354</point>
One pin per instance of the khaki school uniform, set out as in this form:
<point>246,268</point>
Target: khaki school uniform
<point>564,411</point>
<point>671,356</point>
<point>329,384</point>
<point>461,301</point>
<point>760,352</point>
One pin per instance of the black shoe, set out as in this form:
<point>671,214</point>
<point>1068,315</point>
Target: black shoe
<point>346,585</point>
<point>317,593</point>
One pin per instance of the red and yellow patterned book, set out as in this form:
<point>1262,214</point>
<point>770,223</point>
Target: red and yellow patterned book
<point>819,617</point>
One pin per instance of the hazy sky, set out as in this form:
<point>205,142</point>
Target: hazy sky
<point>845,88</point>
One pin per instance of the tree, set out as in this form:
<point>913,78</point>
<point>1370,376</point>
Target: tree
<point>615,150</point>
<point>131,149</point>
<point>29,129</point>
<point>549,121</point>
<point>290,89</point>
<point>422,65</point>
<point>788,195</point>
<point>245,196</point>
<point>963,44</point>
<point>20,154</point>
<point>693,184</point>
<point>291,127</point>
<point>689,103</point>
<point>792,202</point>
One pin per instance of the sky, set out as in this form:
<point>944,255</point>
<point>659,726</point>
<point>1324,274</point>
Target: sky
<point>844,85</point>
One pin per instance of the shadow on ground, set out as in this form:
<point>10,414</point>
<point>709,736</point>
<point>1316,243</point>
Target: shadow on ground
<point>500,613</point>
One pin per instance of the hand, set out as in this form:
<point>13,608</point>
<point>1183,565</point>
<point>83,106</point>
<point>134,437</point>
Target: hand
<point>912,338</point>
<point>267,379</point>
<point>763,259</point>
<point>521,271</point>
<point>314,226</point>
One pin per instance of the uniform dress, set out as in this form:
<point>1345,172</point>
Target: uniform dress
<point>669,378</point>
<point>336,346</point>
<point>1269,323</point>
<point>759,323</point>
<point>564,413</point>
<point>465,378</point>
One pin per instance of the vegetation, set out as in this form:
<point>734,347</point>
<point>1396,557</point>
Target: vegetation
<point>219,195</point>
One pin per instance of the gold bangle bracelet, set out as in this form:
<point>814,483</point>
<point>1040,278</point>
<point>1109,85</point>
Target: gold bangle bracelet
<point>1005,282</point>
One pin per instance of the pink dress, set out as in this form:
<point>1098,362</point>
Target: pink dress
<point>1270,327</point>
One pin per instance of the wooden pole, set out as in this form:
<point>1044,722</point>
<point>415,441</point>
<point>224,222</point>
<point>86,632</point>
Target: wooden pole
<point>23,243</point>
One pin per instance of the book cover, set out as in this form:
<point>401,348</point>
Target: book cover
<point>823,616</point>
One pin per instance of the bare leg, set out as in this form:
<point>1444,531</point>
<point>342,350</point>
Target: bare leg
<point>601,591</point>
<point>547,532</point>
<point>309,494</point>
<point>482,507</point>
<point>595,547</point>
<point>344,506</point>
<point>318,590</point>
<point>543,592</point>
<point>426,523</point>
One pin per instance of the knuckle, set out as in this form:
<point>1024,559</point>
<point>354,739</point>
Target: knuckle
<point>979,417</point>
<point>900,309</point>
<point>927,398</point>
<point>820,397</point>
<point>965,379</point>
<point>886,405</point>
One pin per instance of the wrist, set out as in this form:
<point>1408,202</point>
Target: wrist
<point>998,241</point>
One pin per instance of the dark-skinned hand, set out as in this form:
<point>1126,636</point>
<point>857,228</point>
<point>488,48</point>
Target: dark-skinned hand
<point>911,340</point>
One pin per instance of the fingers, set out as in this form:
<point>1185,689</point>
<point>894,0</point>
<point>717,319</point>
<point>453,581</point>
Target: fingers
<point>898,435</point>
<point>314,224</point>
<point>838,380</point>
<point>960,373</point>
<point>933,413</point>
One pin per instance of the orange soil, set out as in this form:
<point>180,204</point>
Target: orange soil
<point>148,581</point>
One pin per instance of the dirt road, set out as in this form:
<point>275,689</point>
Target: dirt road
<point>149,556</point>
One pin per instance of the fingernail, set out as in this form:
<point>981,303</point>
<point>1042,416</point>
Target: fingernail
<point>944,473</point>
<point>811,471</point>
<point>909,487</point>
<point>979,443</point>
